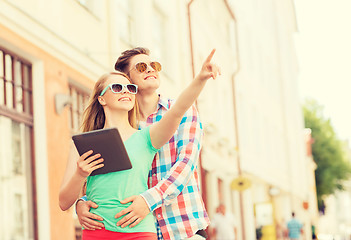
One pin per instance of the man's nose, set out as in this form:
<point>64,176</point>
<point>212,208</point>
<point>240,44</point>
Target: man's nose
<point>149,68</point>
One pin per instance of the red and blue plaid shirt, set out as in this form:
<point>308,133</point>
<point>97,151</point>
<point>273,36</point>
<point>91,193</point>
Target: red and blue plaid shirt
<point>174,195</point>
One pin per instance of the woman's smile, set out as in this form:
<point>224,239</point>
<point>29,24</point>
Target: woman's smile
<point>124,99</point>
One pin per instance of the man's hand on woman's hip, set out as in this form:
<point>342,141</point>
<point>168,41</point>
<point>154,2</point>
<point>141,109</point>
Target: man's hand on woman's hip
<point>136,212</point>
<point>86,218</point>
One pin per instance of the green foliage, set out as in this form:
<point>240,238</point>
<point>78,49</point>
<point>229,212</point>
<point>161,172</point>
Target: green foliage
<point>333,167</point>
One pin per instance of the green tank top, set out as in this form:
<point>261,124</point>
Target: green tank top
<point>107,190</point>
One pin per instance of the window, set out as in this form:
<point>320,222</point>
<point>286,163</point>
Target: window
<point>15,86</point>
<point>79,97</point>
<point>158,35</point>
<point>125,22</point>
<point>17,176</point>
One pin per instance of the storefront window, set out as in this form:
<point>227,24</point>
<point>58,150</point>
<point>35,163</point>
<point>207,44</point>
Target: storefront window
<point>17,184</point>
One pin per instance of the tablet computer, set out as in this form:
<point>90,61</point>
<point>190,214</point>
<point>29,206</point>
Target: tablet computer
<point>109,144</point>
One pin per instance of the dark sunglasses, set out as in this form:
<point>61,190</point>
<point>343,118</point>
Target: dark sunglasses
<point>118,88</point>
<point>141,66</point>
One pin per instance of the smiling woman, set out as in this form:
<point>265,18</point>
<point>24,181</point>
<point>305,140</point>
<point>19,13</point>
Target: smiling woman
<point>123,91</point>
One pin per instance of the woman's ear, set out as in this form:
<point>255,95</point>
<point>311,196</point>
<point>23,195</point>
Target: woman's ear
<point>101,101</point>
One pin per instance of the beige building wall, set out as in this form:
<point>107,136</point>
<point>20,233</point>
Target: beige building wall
<point>271,138</point>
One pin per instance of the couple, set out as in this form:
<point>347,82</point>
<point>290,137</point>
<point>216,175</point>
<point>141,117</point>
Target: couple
<point>170,129</point>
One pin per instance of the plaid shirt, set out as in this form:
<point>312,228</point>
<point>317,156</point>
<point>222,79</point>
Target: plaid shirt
<point>174,195</point>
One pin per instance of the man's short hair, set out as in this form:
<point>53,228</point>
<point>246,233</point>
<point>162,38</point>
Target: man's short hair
<point>122,62</point>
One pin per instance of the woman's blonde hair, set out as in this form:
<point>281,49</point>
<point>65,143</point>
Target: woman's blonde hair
<point>94,115</point>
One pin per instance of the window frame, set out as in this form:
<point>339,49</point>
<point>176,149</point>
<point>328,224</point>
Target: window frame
<point>127,38</point>
<point>25,117</point>
<point>80,93</point>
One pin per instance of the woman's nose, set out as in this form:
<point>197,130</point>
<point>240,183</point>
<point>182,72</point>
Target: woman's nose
<point>124,89</point>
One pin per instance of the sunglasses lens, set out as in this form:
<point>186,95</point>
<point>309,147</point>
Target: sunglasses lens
<point>117,87</point>
<point>141,67</point>
<point>156,66</point>
<point>132,88</point>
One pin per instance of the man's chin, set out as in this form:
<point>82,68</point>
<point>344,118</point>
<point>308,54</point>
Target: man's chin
<point>151,81</point>
<point>151,85</point>
<point>148,90</point>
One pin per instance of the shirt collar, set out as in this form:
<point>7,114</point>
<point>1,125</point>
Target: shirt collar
<point>162,102</point>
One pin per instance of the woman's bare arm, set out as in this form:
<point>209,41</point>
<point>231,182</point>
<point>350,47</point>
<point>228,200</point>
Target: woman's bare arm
<point>76,174</point>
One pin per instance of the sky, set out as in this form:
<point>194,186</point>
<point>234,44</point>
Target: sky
<point>323,44</point>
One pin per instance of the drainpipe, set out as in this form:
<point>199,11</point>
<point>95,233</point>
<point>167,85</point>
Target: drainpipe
<point>241,200</point>
<point>191,40</point>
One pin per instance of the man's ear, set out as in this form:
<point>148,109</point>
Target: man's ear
<point>101,101</point>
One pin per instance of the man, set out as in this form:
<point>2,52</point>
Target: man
<point>223,225</point>
<point>174,194</point>
<point>294,228</point>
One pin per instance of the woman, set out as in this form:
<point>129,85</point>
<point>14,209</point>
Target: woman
<point>113,105</point>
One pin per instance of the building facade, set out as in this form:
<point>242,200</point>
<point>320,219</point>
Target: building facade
<point>52,52</point>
